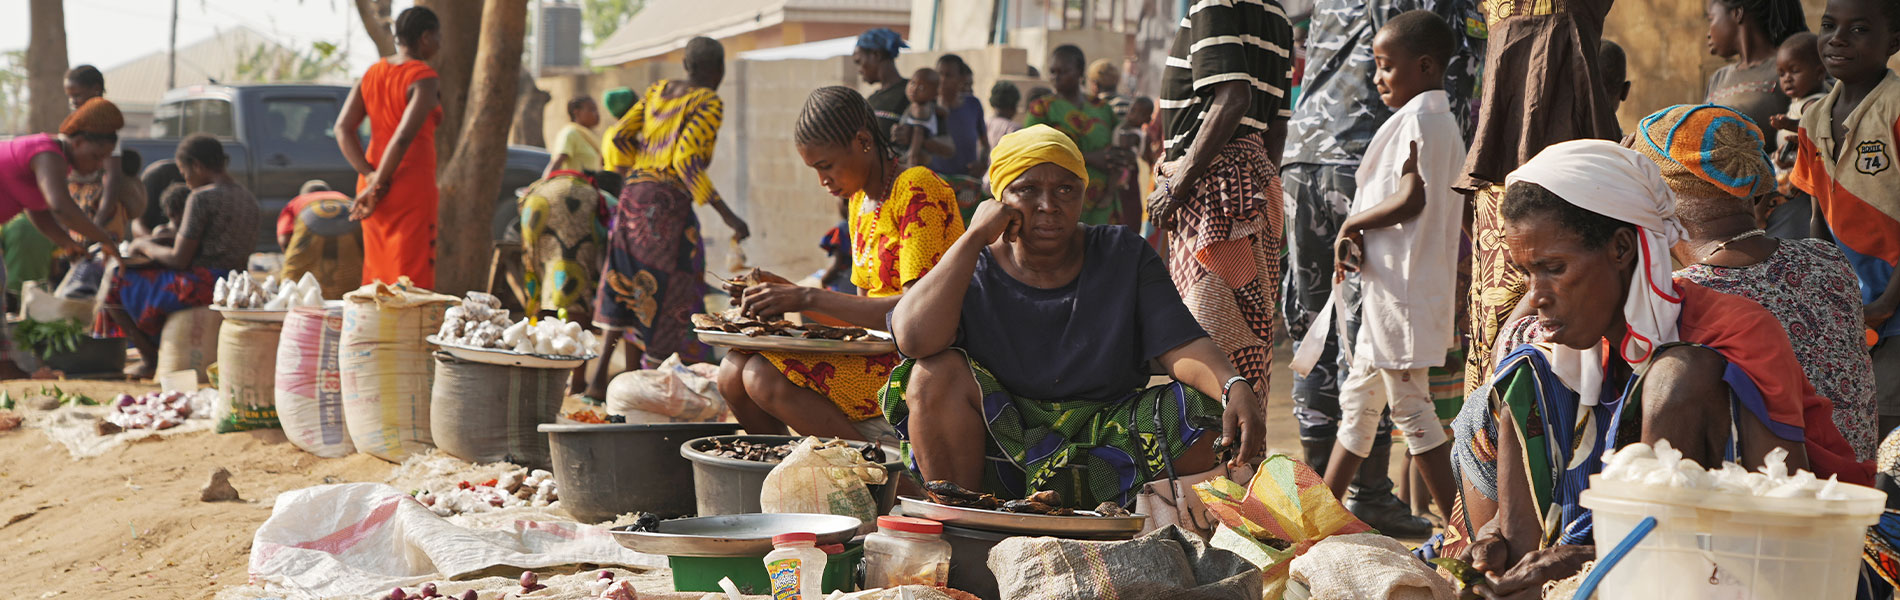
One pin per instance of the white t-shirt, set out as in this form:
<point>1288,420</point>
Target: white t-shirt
<point>1411,269</point>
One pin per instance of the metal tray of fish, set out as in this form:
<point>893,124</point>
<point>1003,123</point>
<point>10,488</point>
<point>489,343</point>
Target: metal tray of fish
<point>1085,522</point>
<point>882,344</point>
<point>733,535</point>
<point>509,358</point>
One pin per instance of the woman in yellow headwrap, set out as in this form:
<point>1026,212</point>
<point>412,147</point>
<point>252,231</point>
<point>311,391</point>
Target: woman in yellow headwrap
<point>1035,333</point>
<point>900,221</point>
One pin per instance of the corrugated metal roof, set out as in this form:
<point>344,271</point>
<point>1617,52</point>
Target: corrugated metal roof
<point>665,25</point>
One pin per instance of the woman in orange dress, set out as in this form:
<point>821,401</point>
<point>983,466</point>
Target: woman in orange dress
<point>395,187</point>
<point>901,224</point>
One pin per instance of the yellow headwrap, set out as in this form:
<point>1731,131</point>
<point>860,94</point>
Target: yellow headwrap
<point>1028,147</point>
<point>1706,151</point>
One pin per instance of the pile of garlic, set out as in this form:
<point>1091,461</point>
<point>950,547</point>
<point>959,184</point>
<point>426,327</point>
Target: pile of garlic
<point>534,488</point>
<point>238,290</point>
<point>481,322</point>
<point>1665,466</point>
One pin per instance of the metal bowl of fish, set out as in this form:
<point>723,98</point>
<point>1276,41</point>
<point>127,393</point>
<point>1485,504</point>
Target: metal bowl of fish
<point>732,535</point>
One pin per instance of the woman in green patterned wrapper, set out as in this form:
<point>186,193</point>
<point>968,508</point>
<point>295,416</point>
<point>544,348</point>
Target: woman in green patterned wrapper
<point>1035,332</point>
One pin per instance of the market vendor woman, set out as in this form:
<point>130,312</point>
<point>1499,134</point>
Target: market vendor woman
<point>1617,353</point>
<point>901,223</point>
<point>1035,333</point>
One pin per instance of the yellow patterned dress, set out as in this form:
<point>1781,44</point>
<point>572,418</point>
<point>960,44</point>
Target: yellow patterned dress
<point>656,263</point>
<point>894,242</point>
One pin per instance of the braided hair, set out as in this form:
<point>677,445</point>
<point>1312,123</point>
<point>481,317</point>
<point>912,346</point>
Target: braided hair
<point>1777,18</point>
<point>834,115</point>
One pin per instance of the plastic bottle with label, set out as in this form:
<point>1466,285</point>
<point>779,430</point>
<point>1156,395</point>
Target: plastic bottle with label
<point>796,567</point>
<point>906,551</point>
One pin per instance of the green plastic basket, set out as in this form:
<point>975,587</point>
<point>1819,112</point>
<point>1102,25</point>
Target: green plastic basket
<point>702,573</point>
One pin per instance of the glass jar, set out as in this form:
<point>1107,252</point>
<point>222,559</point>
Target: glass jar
<point>906,551</point>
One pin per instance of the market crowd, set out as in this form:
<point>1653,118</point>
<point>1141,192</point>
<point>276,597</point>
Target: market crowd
<point>1434,197</point>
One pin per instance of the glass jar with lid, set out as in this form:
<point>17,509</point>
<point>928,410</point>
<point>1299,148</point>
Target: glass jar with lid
<point>906,551</point>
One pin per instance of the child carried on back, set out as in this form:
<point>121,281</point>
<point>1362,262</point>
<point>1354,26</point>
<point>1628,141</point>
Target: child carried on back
<point>1401,238</point>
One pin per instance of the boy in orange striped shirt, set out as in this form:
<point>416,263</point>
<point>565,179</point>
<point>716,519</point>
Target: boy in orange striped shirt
<point>1846,161</point>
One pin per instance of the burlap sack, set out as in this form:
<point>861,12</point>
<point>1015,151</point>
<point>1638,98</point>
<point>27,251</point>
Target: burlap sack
<point>1168,564</point>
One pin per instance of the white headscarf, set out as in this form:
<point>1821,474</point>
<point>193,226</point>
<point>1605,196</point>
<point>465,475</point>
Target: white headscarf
<point>1613,181</point>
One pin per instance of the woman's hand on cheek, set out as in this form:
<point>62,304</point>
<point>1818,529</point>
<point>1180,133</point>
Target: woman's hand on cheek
<point>995,220</point>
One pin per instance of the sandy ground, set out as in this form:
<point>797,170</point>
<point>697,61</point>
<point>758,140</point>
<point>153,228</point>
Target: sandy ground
<point>129,523</point>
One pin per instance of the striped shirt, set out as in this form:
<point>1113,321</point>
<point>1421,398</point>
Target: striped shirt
<point>1220,41</point>
<point>1855,183</point>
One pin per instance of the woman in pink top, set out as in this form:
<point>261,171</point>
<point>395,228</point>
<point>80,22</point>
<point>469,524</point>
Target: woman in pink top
<point>33,171</point>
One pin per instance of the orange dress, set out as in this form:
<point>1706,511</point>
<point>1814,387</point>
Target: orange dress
<point>399,237</point>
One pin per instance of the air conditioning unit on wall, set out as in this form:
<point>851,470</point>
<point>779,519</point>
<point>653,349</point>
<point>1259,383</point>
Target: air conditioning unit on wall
<point>557,39</point>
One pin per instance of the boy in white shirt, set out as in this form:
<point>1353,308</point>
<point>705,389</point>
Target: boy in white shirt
<point>1402,239</point>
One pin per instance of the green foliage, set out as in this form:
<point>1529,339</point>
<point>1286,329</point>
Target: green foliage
<point>605,16</point>
<point>47,339</point>
<point>13,97</point>
<point>271,63</point>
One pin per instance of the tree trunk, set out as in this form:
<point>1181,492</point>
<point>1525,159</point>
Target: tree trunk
<point>471,182</point>
<point>530,104</point>
<point>46,66</point>
<point>376,20</point>
<point>454,67</point>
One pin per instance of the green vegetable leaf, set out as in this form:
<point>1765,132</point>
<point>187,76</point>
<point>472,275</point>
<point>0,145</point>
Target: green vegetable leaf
<point>1459,569</point>
<point>6,400</point>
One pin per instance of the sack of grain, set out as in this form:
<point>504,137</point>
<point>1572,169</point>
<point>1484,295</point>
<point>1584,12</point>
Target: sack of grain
<point>247,375</point>
<point>386,367</point>
<point>189,341</point>
<point>486,413</point>
<point>310,381</point>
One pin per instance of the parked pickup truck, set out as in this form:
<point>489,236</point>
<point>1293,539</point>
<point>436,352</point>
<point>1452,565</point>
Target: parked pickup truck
<point>279,136</point>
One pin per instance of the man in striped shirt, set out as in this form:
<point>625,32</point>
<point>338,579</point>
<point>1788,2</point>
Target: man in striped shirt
<point>1224,110</point>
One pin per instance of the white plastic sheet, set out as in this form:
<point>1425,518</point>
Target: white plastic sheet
<point>358,539</point>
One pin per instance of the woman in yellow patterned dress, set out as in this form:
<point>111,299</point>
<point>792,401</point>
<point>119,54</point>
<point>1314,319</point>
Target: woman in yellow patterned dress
<point>900,225</point>
<point>655,275</point>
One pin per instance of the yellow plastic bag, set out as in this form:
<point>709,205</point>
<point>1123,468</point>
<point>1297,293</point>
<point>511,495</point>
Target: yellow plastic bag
<point>1282,512</point>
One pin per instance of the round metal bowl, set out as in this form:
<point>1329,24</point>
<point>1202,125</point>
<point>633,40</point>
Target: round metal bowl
<point>733,535</point>
<point>1084,523</point>
<point>252,314</point>
<point>880,343</point>
<point>509,358</point>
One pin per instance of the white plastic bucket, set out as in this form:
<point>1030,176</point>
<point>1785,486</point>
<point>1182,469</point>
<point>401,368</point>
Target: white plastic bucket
<point>1710,545</point>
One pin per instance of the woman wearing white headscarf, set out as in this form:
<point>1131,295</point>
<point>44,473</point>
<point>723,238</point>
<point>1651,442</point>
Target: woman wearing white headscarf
<point>1590,225</point>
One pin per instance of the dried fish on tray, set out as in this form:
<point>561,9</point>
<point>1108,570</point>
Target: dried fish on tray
<point>1067,522</point>
<point>732,330</point>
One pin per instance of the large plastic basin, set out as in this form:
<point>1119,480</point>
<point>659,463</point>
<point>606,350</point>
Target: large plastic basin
<point>1712,545</point>
<point>727,486</point>
<point>607,470</point>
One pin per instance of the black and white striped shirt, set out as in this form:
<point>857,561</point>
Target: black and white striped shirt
<point>1220,41</point>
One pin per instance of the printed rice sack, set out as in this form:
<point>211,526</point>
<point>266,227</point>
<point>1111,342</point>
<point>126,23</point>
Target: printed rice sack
<point>387,371</point>
<point>189,341</point>
<point>310,381</point>
<point>247,375</point>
